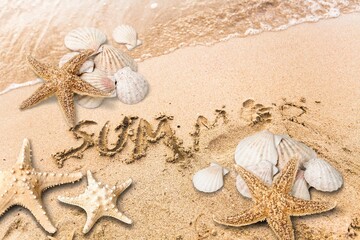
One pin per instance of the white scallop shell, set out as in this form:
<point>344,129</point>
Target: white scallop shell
<point>264,170</point>
<point>131,87</point>
<point>85,38</point>
<point>289,148</point>
<point>322,176</point>
<point>260,146</point>
<point>127,35</point>
<point>209,179</point>
<point>301,187</point>
<point>111,60</point>
<point>101,81</point>
<point>88,65</point>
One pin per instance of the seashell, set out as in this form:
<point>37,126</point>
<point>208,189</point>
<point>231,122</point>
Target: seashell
<point>99,80</point>
<point>127,35</point>
<point>111,60</point>
<point>265,170</point>
<point>301,187</point>
<point>322,176</point>
<point>289,148</point>
<point>85,38</point>
<point>131,87</point>
<point>260,146</point>
<point>87,67</point>
<point>210,179</point>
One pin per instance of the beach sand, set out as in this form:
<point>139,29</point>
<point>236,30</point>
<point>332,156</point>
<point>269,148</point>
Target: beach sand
<point>308,75</point>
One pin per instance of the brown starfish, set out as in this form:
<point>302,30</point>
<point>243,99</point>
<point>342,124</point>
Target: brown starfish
<point>63,82</point>
<point>274,203</point>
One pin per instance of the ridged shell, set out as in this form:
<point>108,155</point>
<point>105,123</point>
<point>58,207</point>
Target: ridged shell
<point>85,38</point>
<point>301,188</point>
<point>131,87</point>
<point>209,179</point>
<point>111,60</point>
<point>99,80</point>
<point>87,67</point>
<point>289,148</point>
<point>260,146</point>
<point>322,176</point>
<point>264,170</point>
<point>127,35</point>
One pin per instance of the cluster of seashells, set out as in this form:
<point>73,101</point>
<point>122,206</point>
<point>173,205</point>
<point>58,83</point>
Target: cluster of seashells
<point>264,154</point>
<point>108,69</point>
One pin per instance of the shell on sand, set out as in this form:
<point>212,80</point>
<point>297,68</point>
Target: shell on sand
<point>111,60</point>
<point>85,38</point>
<point>101,81</point>
<point>209,179</point>
<point>131,87</point>
<point>264,170</point>
<point>301,187</point>
<point>260,146</point>
<point>87,67</point>
<point>289,148</point>
<point>127,35</point>
<point>322,176</point>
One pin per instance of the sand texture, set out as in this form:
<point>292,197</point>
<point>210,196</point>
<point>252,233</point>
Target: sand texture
<point>307,82</point>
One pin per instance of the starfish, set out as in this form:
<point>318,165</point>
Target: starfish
<point>63,82</point>
<point>22,185</point>
<point>274,203</point>
<point>99,201</point>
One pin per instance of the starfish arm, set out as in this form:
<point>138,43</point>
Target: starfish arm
<point>91,219</point>
<point>24,157</point>
<point>44,71</point>
<point>42,93</point>
<point>66,102</point>
<point>47,180</point>
<point>256,186</point>
<point>83,88</point>
<point>73,65</point>
<point>281,225</point>
<point>6,201</point>
<point>76,201</point>
<point>118,215</point>
<point>122,187</point>
<point>300,207</point>
<point>247,217</point>
<point>284,182</point>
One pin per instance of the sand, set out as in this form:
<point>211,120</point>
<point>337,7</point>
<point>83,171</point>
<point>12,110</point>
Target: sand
<point>308,75</point>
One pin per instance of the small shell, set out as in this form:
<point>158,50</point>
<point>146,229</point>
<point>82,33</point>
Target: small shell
<point>289,148</point>
<point>209,179</point>
<point>87,67</point>
<point>85,38</point>
<point>322,176</point>
<point>260,146</point>
<point>111,60</point>
<point>301,188</point>
<point>99,80</point>
<point>127,35</point>
<point>264,170</point>
<point>131,87</point>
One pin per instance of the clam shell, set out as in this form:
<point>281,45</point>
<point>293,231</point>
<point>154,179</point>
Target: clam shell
<point>209,179</point>
<point>100,80</point>
<point>127,35</point>
<point>111,60</point>
<point>289,148</point>
<point>264,170</point>
<point>131,87</point>
<point>260,146</point>
<point>85,38</point>
<point>322,176</point>
<point>301,187</point>
<point>87,67</point>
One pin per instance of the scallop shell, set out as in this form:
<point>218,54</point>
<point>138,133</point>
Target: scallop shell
<point>85,38</point>
<point>264,170</point>
<point>87,67</point>
<point>111,60</point>
<point>322,176</point>
<point>289,148</point>
<point>301,187</point>
<point>99,80</point>
<point>131,87</point>
<point>260,146</point>
<point>127,35</point>
<point>209,179</point>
